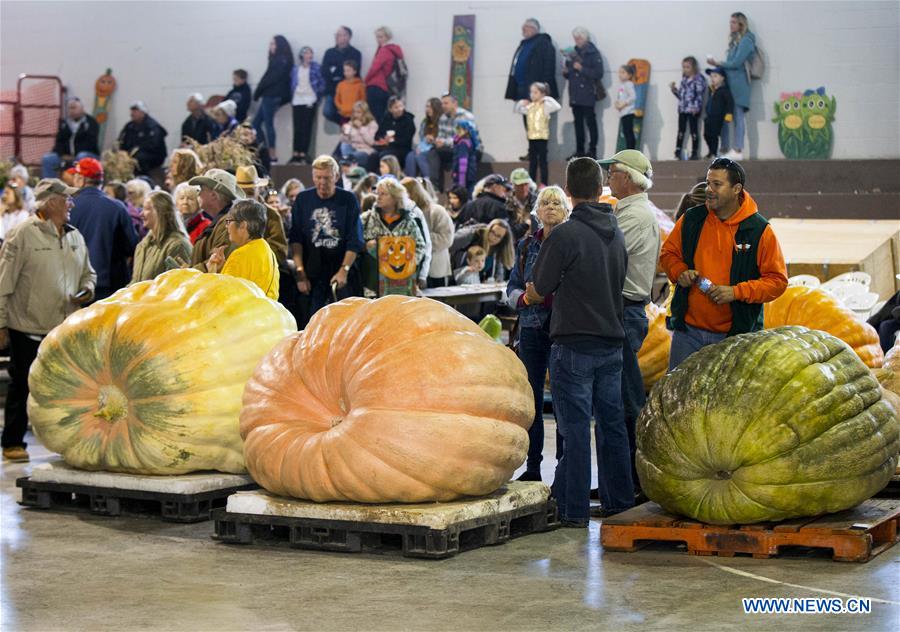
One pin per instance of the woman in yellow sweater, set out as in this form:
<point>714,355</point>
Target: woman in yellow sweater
<point>253,260</point>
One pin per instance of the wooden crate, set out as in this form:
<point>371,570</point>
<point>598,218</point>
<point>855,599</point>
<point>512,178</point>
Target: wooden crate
<point>827,248</point>
<point>855,535</point>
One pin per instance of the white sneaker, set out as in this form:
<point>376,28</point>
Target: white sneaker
<point>734,155</point>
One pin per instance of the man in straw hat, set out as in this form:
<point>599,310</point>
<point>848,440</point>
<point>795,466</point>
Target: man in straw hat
<point>45,275</point>
<point>254,188</point>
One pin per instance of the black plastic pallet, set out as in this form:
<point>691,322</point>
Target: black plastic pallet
<point>372,537</point>
<point>891,490</point>
<point>109,501</point>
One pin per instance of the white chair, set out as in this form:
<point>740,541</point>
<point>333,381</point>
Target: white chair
<point>843,291</point>
<point>862,304</point>
<point>805,280</point>
<point>863,278</point>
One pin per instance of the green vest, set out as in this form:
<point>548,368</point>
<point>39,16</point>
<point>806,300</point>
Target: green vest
<point>745,317</point>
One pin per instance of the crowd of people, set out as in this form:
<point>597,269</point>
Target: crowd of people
<point>373,119</point>
<point>578,262</point>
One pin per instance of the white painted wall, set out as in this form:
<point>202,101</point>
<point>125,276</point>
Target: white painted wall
<point>162,51</point>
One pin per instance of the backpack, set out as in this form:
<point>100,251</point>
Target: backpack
<point>396,81</point>
<point>755,64</point>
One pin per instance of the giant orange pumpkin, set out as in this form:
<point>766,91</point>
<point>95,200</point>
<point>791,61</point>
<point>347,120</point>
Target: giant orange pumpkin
<point>653,356</point>
<point>393,400</point>
<point>817,309</point>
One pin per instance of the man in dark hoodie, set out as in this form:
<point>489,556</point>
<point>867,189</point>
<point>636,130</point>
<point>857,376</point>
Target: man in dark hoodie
<point>583,264</point>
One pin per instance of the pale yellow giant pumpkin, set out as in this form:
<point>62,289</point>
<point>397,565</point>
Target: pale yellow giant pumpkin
<point>149,381</point>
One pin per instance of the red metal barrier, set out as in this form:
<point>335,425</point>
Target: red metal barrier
<point>35,113</point>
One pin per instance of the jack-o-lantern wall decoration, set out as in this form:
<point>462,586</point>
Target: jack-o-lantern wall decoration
<point>396,265</point>
<point>103,89</point>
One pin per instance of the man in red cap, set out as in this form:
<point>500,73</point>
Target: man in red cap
<point>106,226</point>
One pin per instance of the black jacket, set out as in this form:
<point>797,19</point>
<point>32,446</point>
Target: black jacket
<point>541,66</point>
<point>276,82</point>
<point>583,263</point>
<point>582,83</point>
<point>718,105</point>
<point>202,130</point>
<point>242,96</point>
<point>149,139</point>
<point>484,208</point>
<point>333,66</point>
<point>86,138</point>
<point>404,130</point>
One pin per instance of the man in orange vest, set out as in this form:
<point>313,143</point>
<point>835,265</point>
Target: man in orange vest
<point>725,261</point>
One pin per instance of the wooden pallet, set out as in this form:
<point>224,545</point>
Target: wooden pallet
<point>855,535</point>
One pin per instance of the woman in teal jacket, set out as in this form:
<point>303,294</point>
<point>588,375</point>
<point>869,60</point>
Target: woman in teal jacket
<point>741,46</point>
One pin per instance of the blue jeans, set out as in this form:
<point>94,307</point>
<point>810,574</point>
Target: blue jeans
<point>534,351</point>
<point>740,126</point>
<point>415,160</point>
<point>725,137</point>
<point>346,150</point>
<point>583,381</point>
<point>684,343</point>
<point>329,110</point>
<point>264,120</point>
<point>633,396</point>
<point>51,162</point>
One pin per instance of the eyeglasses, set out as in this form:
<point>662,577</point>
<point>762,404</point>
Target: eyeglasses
<point>729,165</point>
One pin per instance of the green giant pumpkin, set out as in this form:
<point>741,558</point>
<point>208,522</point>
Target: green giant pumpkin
<point>776,424</point>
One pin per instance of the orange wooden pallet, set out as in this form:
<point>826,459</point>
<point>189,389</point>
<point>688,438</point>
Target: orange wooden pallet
<point>855,535</point>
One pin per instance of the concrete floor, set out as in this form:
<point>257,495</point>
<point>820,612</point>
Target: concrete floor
<point>71,571</point>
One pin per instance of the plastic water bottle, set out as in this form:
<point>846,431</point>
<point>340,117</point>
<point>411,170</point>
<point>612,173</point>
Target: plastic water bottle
<point>704,285</point>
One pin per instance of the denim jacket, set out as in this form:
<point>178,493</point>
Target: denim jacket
<point>533,316</point>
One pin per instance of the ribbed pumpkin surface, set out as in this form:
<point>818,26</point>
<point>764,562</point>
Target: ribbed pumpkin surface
<point>149,381</point>
<point>771,425</point>
<point>397,399</point>
<point>817,309</point>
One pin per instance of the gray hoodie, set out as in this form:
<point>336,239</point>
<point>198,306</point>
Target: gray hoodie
<point>583,262</point>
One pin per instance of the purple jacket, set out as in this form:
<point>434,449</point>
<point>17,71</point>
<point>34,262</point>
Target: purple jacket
<point>690,94</point>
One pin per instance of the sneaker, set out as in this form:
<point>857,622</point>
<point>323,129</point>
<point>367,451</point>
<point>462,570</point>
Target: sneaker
<point>600,512</point>
<point>734,155</point>
<point>16,455</point>
<point>530,476</point>
<point>524,158</point>
<point>295,160</point>
<point>574,524</point>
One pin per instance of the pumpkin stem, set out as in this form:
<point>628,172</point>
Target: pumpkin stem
<point>722,475</point>
<point>336,420</point>
<point>113,404</point>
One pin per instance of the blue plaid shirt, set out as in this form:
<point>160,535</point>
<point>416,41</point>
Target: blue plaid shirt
<point>447,126</point>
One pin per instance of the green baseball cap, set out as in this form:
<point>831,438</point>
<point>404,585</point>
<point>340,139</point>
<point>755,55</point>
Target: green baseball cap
<point>630,158</point>
<point>519,176</point>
